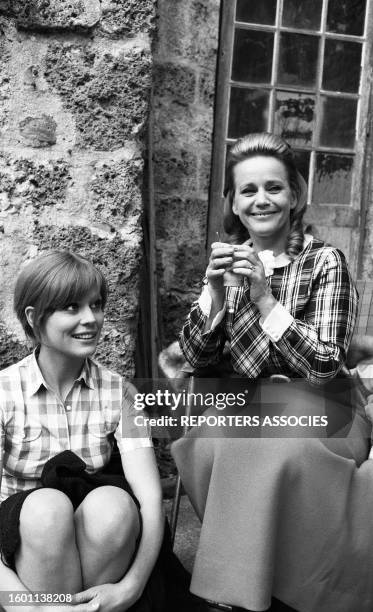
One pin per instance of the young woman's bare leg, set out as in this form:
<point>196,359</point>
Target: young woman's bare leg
<point>107,526</point>
<point>48,558</point>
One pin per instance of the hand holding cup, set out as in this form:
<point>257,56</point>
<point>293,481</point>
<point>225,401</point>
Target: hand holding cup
<point>221,260</point>
<point>247,263</point>
<point>230,264</point>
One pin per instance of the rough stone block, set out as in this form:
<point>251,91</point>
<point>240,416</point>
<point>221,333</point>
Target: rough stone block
<point>108,94</point>
<point>56,14</point>
<point>175,171</point>
<point>206,88</point>
<point>117,349</point>
<point>38,131</point>
<point>50,181</point>
<point>177,126</point>
<point>181,235</point>
<point>126,18</point>
<point>115,192</point>
<point>204,172</point>
<point>5,86</point>
<point>175,82</point>
<point>204,15</point>
<point>23,182</point>
<point>183,219</point>
<point>189,30</point>
<point>173,32</point>
<point>11,350</point>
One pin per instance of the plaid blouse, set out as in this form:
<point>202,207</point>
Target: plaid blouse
<point>36,425</point>
<point>316,289</point>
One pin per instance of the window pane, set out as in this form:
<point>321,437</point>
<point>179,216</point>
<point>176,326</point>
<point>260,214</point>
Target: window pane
<point>294,117</point>
<point>248,111</point>
<point>256,12</point>
<point>333,179</point>
<point>302,15</point>
<point>338,119</point>
<point>252,56</point>
<point>346,17</point>
<point>302,162</point>
<point>342,66</point>
<point>298,60</point>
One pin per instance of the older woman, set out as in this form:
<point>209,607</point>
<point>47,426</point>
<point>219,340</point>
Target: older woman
<point>281,517</point>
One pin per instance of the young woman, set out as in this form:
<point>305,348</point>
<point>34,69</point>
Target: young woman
<point>100,546</point>
<point>288,518</point>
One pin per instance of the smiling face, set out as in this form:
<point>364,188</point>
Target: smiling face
<point>263,200</point>
<point>74,330</point>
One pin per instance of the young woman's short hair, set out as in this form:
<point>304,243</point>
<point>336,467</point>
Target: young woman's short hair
<point>51,282</point>
<point>267,145</point>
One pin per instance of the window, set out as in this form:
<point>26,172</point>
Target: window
<point>299,69</point>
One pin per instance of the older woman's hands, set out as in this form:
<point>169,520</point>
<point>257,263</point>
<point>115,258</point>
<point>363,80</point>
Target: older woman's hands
<point>221,260</point>
<point>247,263</point>
<point>241,260</point>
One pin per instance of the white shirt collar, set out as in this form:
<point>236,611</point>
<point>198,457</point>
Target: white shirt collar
<point>270,262</point>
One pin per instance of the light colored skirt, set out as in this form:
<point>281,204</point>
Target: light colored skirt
<point>290,518</point>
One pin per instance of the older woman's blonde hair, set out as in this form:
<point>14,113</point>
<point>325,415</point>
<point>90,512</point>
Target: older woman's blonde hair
<point>268,145</point>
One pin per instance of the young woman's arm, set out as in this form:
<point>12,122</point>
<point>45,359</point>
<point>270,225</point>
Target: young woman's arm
<point>9,581</point>
<point>142,474</point>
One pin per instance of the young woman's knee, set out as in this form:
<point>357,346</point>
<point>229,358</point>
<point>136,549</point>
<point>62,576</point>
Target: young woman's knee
<point>47,520</point>
<point>108,515</point>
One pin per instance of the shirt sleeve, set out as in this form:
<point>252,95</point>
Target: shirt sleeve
<point>277,322</point>
<point>316,346</point>
<point>202,348</point>
<point>205,303</point>
<point>131,433</point>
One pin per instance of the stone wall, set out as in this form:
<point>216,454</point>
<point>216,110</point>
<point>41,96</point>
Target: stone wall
<point>184,82</point>
<point>75,77</point>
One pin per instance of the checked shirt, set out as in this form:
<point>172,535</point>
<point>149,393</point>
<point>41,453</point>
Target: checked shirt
<point>316,289</point>
<point>36,425</point>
